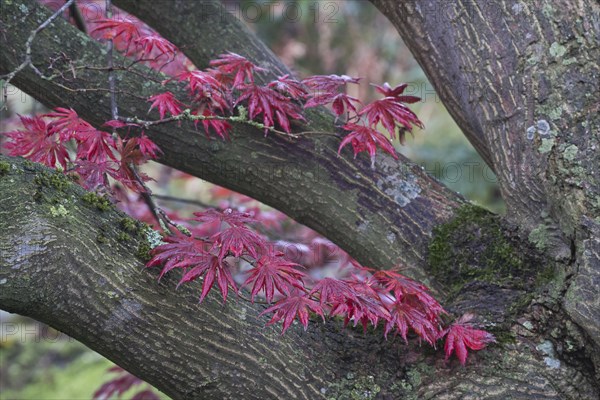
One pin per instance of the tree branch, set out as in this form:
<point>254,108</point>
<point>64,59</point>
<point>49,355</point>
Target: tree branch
<point>379,216</point>
<point>72,265</point>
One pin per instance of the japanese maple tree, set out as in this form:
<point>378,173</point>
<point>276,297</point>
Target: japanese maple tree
<point>227,248</point>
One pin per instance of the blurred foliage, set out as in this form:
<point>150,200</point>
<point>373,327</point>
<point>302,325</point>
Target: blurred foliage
<point>39,363</point>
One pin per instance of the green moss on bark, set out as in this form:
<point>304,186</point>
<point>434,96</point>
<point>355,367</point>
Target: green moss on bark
<point>473,246</point>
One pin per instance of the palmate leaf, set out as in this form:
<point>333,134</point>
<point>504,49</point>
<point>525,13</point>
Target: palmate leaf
<point>392,114</point>
<point>237,241</point>
<point>461,336</point>
<point>333,291</point>
<point>325,90</point>
<point>228,216</point>
<point>179,251</point>
<point>364,138</point>
<point>291,87</point>
<point>271,104</point>
<point>234,64</point>
<point>125,30</point>
<point>296,305</point>
<point>403,316</point>
<point>165,102</point>
<point>155,46</point>
<point>37,143</point>
<point>272,271</point>
<point>212,268</point>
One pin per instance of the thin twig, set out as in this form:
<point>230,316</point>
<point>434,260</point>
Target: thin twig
<point>8,77</point>
<point>112,83</point>
<point>181,200</point>
<point>188,116</point>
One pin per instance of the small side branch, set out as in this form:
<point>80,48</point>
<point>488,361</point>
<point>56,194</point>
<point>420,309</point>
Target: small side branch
<point>27,62</point>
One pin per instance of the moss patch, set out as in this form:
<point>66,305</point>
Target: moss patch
<point>475,246</point>
<point>352,387</point>
<point>4,168</point>
<point>539,237</point>
<point>54,180</point>
<point>100,202</point>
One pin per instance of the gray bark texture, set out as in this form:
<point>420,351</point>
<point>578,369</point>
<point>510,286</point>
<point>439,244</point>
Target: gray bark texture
<point>533,277</point>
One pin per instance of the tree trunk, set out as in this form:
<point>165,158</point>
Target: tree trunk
<point>84,278</point>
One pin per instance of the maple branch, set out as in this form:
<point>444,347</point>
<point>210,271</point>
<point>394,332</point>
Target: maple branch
<point>112,83</point>
<point>72,269</point>
<point>186,115</point>
<point>396,204</point>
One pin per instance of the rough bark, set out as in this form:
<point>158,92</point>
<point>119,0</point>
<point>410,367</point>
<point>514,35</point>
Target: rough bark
<point>394,207</point>
<point>521,80</point>
<point>70,264</point>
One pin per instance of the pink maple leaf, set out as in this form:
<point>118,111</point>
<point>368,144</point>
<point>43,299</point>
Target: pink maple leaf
<point>391,113</point>
<point>292,87</point>
<point>271,104</point>
<point>37,143</point>
<point>272,271</point>
<point>235,64</point>
<point>461,336</point>
<point>364,138</point>
<point>296,305</point>
<point>126,30</point>
<point>166,102</point>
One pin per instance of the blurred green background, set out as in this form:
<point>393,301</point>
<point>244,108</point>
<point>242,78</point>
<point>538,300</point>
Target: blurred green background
<point>312,37</point>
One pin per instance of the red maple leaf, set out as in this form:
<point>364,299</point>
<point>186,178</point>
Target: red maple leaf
<point>332,291</point>
<point>238,240</point>
<point>235,64</point>
<point>404,316</point>
<point>67,123</point>
<point>94,174</point>
<point>292,87</point>
<point>391,113</point>
<point>325,90</point>
<point>125,30</point>
<point>220,127</point>
<point>364,138</point>
<point>410,292</point>
<point>147,147</point>
<point>461,336</point>
<point>340,102</point>
<point>271,104</point>
<point>166,102</point>
<point>154,43</point>
<point>396,92</point>
<point>206,90</point>
<point>95,145</point>
<point>272,271</point>
<point>362,304</point>
<point>120,384</point>
<point>212,267</point>
<point>296,305</point>
<point>37,143</point>
<point>178,251</point>
<point>328,83</point>
<point>229,216</point>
